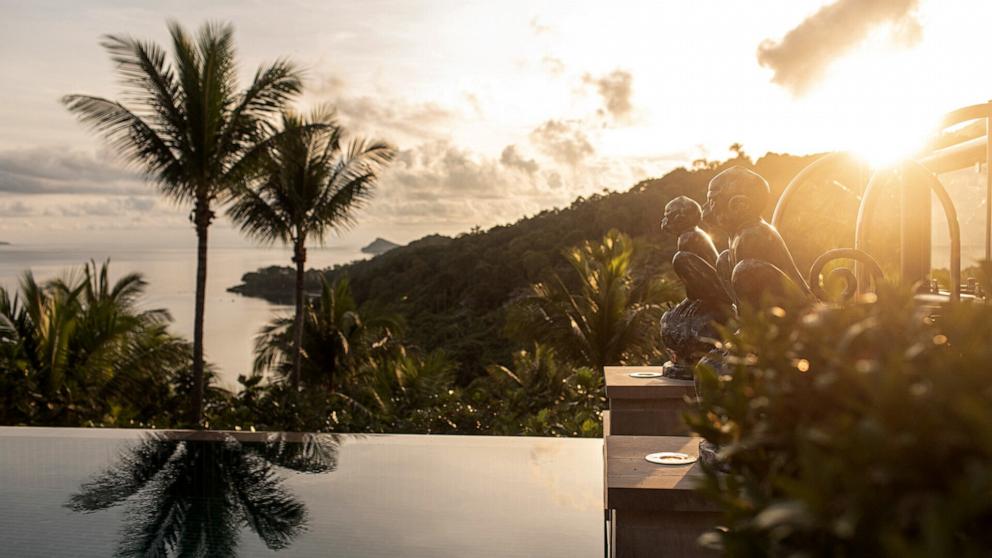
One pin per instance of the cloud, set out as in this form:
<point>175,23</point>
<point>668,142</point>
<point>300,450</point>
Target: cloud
<point>512,159</point>
<point>801,57</point>
<point>387,117</point>
<point>562,140</point>
<point>439,182</point>
<point>538,27</point>
<point>554,66</point>
<point>473,101</point>
<point>135,207</point>
<point>54,170</point>
<point>15,209</point>
<point>615,88</point>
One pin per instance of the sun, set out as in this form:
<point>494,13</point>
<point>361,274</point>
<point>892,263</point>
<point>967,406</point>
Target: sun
<point>885,144</point>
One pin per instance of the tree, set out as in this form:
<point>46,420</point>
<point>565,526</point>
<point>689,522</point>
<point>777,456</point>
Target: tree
<point>309,184</point>
<point>81,349</point>
<point>541,396</point>
<point>336,336</point>
<point>186,124</point>
<point>607,320</point>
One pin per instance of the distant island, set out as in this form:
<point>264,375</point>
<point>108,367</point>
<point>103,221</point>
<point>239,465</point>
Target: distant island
<point>379,246</point>
<point>2,243</point>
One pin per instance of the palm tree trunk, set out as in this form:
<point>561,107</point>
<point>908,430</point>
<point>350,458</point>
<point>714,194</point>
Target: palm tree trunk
<point>201,218</point>
<point>300,258</point>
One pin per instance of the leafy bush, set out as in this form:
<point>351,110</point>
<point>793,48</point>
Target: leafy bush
<point>541,396</point>
<point>856,431</point>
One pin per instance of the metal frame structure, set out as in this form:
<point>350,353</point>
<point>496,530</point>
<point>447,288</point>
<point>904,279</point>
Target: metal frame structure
<point>919,182</point>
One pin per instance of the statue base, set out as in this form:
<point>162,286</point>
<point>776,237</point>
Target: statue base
<point>677,371</point>
<point>709,456</point>
<point>687,332</point>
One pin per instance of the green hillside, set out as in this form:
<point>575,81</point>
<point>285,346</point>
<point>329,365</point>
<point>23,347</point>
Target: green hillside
<point>453,292</point>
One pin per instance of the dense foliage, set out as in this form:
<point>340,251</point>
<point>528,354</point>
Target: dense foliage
<point>856,431</point>
<point>360,373</point>
<point>81,350</point>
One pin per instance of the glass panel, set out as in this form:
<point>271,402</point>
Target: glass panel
<point>821,212</point>
<point>966,188</point>
<point>882,225</point>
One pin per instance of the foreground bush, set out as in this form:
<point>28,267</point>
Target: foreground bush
<point>862,431</point>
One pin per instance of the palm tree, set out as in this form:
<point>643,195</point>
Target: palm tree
<point>607,320</point>
<point>189,128</point>
<point>85,349</point>
<point>310,184</point>
<point>336,336</point>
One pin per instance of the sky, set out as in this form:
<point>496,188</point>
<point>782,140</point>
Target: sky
<point>498,109</point>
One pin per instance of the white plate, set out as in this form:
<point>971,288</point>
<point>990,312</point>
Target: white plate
<point>643,375</point>
<point>670,458</point>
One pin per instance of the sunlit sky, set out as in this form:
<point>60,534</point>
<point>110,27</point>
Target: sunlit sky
<point>499,109</point>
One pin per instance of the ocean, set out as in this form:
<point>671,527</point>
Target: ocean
<point>169,266</point>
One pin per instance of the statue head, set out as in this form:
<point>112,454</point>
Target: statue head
<point>735,198</point>
<point>682,214</point>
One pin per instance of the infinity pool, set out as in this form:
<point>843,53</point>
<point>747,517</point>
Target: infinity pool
<point>92,492</point>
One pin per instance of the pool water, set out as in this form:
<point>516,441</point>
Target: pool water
<point>95,492</point>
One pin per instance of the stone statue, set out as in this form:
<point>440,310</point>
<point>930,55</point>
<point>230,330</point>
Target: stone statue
<point>686,328</point>
<point>757,261</point>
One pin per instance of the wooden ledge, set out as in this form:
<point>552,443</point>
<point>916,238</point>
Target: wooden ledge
<point>619,384</point>
<point>633,483</point>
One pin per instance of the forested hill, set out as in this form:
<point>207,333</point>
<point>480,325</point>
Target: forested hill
<point>453,291</point>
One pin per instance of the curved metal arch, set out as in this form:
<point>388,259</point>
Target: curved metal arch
<point>793,187</point>
<point>964,114</point>
<point>954,228</point>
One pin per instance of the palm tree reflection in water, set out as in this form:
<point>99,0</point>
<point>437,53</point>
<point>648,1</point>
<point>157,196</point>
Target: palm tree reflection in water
<point>190,494</point>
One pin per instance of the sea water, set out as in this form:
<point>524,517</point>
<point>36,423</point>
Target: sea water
<point>169,266</point>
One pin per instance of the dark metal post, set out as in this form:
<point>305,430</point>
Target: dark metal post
<point>988,188</point>
<point>915,227</point>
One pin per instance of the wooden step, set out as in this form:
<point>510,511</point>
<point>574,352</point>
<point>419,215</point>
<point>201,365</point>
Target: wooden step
<point>646,406</point>
<point>653,509</point>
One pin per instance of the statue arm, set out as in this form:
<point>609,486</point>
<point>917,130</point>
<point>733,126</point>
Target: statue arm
<point>763,243</point>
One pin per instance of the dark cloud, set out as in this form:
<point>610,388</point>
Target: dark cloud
<point>512,159</point>
<point>58,171</point>
<point>801,57</point>
<point>562,140</point>
<point>615,88</point>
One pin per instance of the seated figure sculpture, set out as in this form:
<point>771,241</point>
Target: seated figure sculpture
<point>686,328</point>
<point>758,262</point>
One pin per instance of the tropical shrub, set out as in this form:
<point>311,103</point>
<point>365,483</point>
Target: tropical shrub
<point>540,395</point>
<point>82,350</point>
<point>856,431</point>
<point>608,319</point>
